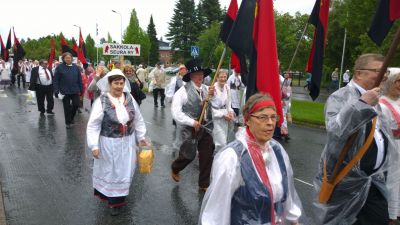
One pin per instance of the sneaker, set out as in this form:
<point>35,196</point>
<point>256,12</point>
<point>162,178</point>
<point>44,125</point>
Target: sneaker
<point>175,176</point>
<point>50,113</point>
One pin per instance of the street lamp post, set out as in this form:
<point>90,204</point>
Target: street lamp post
<point>121,22</point>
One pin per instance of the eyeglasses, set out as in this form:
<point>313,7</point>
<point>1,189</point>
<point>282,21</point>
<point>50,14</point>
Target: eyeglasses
<point>265,118</point>
<point>374,70</point>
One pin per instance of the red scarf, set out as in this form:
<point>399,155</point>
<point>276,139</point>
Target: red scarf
<point>258,160</point>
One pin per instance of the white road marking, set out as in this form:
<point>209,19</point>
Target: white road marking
<point>302,181</point>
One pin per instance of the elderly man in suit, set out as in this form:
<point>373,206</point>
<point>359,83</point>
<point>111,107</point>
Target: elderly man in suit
<point>42,82</point>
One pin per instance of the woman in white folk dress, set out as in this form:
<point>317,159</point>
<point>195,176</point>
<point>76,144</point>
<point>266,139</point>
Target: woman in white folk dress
<point>114,130</point>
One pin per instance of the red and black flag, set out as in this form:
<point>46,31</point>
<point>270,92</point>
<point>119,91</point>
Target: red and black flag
<point>19,53</point>
<point>388,11</point>
<point>52,54</point>
<point>82,43</point>
<point>8,45</point>
<point>253,36</point>
<point>75,48</point>
<point>78,51</point>
<point>4,51</point>
<point>82,50</point>
<point>65,47</point>
<point>226,29</point>
<point>319,18</point>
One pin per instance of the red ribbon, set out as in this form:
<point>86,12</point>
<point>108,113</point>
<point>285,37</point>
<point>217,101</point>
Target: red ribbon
<point>256,156</point>
<point>259,105</point>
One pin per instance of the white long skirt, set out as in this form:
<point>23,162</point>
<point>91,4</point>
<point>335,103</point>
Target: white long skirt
<point>114,170</point>
<point>220,133</point>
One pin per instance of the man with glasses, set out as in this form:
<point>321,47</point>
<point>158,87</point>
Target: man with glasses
<point>359,197</point>
<point>41,81</point>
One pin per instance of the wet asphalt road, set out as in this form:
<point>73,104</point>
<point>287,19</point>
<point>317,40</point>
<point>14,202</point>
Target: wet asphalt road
<point>45,170</point>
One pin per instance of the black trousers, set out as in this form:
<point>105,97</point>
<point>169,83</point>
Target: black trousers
<point>44,92</point>
<point>375,210</point>
<point>71,104</point>
<point>205,148</point>
<point>19,76</point>
<point>155,94</point>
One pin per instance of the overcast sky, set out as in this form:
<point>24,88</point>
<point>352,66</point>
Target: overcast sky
<point>38,18</point>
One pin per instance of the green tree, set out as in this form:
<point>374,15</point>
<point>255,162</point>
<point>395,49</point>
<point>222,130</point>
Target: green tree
<point>182,29</point>
<point>211,9</point>
<point>151,32</point>
<point>211,47</point>
<point>135,35</point>
<point>91,50</point>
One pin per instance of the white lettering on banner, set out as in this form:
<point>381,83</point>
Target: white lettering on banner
<point>121,49</point>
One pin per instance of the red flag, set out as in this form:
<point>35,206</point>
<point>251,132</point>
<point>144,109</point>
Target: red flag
<point>387,12</point>
<point>4,51</point>
<point>19,53</point>
<point>82,43</point>
<point>8,45</point>
<point>78,51</point>
<point>394,9</point>
<point>319,18</point>
<point>265,46</point>
<point>226,29</point>
<point>253,36</point>
<point>65,47</point>
<point>52,54</point>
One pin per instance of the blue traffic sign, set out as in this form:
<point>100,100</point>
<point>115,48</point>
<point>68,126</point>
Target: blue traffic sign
<point>194,51</point>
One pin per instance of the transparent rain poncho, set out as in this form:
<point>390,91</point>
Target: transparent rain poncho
<point>236,183</point>
<point>345,115</point>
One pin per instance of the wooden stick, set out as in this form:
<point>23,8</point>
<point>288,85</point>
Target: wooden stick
<point>221,60</point>
<point>389,56</point>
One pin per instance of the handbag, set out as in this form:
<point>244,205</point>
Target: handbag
<point>328,184</point>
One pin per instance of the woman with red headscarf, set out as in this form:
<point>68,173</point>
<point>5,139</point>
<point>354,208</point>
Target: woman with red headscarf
<point>252,178</point>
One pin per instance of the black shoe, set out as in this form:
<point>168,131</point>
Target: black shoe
<point>50,113</point>
<point>156,106</point>
<point>162,106</point>
<point>72,122</point>
<point>41,113</point>
<point>68,126</point>
<point>115,211</point>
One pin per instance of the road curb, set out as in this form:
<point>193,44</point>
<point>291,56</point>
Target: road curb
<point>2,210</point>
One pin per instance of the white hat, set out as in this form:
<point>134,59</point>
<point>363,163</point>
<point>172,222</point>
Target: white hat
<point>347,71</point>
<point>104,86</point>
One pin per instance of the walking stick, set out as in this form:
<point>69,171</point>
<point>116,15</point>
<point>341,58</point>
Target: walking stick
<point>221,60</point>
<point>389,56</point>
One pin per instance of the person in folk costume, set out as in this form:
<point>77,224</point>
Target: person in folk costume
<point>236,85</point>
<point>142,76</point>
<point>222,113</point>
<point>115,127</point>
<point>352,117</point>
<point>174,85</point>
<point>286,93</point>
<point>5,72</point>
<point>390,105</point>
<point>186,109</point>
<point>252,178</point>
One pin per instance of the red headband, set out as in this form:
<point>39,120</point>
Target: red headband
<point>259,105</point>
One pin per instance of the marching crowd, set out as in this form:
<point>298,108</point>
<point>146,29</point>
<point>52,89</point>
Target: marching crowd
<point>247,177</point>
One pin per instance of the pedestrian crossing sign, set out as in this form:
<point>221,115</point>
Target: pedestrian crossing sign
<point>194,51</point>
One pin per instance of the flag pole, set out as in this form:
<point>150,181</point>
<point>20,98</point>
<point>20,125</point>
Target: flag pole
<point>389,56</point>
<point>221,60</point>
<point>341,65</point>
<point>297,48</point>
